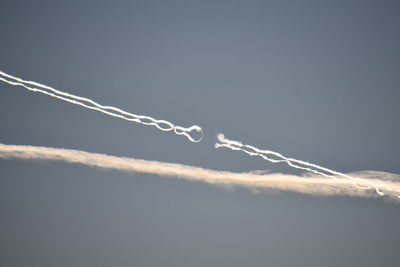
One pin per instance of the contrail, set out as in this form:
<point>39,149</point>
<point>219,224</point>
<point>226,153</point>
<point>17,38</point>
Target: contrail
<point>162,125</point>
<point>275,157</point>
<point>256,180</point>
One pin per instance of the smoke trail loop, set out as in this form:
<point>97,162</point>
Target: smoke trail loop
<point>186,132</point>
<point>189,132</point>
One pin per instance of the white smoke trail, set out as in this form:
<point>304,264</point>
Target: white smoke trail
<point>162,125</point>
<point>313,185</point>
<point>380,188</point>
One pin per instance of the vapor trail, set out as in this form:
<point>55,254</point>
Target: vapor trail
<point>162,125</point>
<point>313,185</point>
<point>366,184</point>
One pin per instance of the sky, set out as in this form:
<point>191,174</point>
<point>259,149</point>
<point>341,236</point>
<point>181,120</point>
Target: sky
<point>314,80</point>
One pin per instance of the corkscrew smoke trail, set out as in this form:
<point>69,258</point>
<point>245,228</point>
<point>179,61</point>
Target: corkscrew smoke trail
<point>313,185</point>
<point>379,187</point>
<point>162,125</point>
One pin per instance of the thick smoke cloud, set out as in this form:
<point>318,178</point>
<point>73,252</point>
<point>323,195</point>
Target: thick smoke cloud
<point>307,184</point>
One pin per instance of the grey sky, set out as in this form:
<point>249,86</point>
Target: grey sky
<point>315,80</point>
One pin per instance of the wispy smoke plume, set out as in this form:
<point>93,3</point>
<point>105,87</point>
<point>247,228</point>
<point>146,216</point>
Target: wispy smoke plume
<point>162,125</point>
<point>381,188</point>
<point>314,185</point>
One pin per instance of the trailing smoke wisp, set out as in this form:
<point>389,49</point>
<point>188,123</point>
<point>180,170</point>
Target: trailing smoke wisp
<point>162,125</point>
<point>380,188</point>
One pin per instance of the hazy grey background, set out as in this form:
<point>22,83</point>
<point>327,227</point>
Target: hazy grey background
<point>316,80</point>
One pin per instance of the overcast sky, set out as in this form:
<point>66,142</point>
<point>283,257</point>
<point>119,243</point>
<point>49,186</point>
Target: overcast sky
<point>314,80</point>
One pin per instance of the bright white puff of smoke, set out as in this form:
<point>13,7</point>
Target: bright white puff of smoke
<point>193,133</point>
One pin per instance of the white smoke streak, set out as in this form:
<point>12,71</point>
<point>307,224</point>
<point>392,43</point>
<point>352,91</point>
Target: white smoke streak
<point>313,185</point>
<point>379,187</point>
<point>162,125</point>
